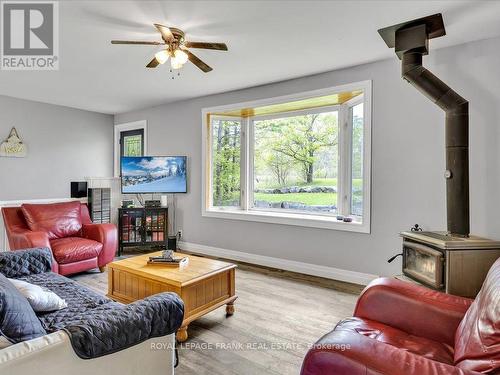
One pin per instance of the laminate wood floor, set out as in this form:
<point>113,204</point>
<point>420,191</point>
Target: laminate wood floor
<point>278,315</point>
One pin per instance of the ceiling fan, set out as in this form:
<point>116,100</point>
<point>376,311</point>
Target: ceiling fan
<point>176,48</point>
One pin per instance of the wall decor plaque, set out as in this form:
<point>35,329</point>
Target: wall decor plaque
<point>13,146</point>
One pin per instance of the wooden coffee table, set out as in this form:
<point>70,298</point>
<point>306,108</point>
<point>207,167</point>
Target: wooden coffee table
<point>203,284</point>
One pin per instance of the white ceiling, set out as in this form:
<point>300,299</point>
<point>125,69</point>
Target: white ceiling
<point>268,41</point>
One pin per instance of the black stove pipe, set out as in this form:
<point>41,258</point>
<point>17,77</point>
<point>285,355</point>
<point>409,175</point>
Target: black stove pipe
<point>456,138</point>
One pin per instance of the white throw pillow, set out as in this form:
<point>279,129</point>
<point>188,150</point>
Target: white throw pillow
<point>40,299</point>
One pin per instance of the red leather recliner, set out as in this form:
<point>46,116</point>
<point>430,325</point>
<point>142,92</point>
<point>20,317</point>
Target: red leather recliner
<point>400,328</point>
<point>76,243</point>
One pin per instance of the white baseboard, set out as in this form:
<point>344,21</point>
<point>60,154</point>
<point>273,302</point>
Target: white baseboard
<point>283,264</point>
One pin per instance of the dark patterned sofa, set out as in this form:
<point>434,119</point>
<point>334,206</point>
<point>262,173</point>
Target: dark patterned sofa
<point>93,331</point>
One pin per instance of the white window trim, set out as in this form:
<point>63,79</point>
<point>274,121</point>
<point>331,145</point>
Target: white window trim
<point>345,189</point>
<point>142,124</point>
<point>288,218</point>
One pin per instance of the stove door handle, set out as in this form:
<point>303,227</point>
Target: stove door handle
<point>394,257</point>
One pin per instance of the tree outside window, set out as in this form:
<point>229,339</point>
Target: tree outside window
<point>296,162</point>
<point>226,150</point>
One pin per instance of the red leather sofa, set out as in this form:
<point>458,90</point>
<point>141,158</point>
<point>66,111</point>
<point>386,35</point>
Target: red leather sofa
<point>400,328</point>
<point>76,243</point>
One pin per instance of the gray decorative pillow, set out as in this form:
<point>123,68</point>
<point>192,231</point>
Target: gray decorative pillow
<point>18,321</point>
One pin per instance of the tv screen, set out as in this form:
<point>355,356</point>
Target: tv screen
<point>153,174</point>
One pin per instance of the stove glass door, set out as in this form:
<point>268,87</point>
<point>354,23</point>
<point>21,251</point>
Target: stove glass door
<point>424,264</point>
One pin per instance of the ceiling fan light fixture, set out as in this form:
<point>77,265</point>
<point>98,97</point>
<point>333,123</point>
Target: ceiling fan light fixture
<point>180,57</point>
<point>162,56</point>
<point>174,46</point>
<point>175,64</point>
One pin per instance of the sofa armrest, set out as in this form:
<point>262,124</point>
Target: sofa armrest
<point>107,234</point>
<point>112,327</point>
<point>53,354</point>
<point>349,353</point>
<point>19,263</point>
<point>413,308</point>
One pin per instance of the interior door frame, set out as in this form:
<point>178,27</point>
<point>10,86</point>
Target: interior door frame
<point>118,129</point>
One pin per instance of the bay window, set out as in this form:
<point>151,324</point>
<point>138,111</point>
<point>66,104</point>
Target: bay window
<point>299,160</point>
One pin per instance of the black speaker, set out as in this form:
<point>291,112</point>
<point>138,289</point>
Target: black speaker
<point>78,189</point>
<point>172,243</point>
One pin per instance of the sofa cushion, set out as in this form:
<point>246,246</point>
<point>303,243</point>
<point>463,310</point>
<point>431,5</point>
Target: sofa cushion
<point>79,299</point>
<point>477,340</point>
<point>57,219</point>
<point>74,249</point>
<point>18,321</point>
<point>392,336</point>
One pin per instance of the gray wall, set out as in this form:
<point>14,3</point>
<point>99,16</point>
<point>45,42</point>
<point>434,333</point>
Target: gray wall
<point>408,161</point>
<point>64,144</point>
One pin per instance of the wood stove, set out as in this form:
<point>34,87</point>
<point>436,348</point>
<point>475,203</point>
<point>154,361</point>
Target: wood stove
<point>451,261</point>
<point>450,264</point>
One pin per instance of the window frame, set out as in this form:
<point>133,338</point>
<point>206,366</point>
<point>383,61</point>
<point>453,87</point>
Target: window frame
<point>246,211</point>
<point>210,158</point>
<point>345,206</point>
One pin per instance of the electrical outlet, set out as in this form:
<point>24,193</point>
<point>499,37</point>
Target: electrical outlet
<point>179,233</point>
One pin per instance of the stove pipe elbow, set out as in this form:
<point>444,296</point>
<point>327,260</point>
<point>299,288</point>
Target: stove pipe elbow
<point>456,138</point>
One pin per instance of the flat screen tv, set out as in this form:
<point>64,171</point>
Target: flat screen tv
<point>153,174</point>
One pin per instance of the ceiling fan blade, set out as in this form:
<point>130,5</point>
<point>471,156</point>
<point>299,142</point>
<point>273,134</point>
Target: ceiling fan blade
<point>153,63</point>
<point>196,61</point>
<point>136,42</point>
<point>165,32</point>
<point>206,45</point>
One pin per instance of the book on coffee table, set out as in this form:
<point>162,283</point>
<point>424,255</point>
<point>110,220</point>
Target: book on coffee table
<point>172,262</point>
